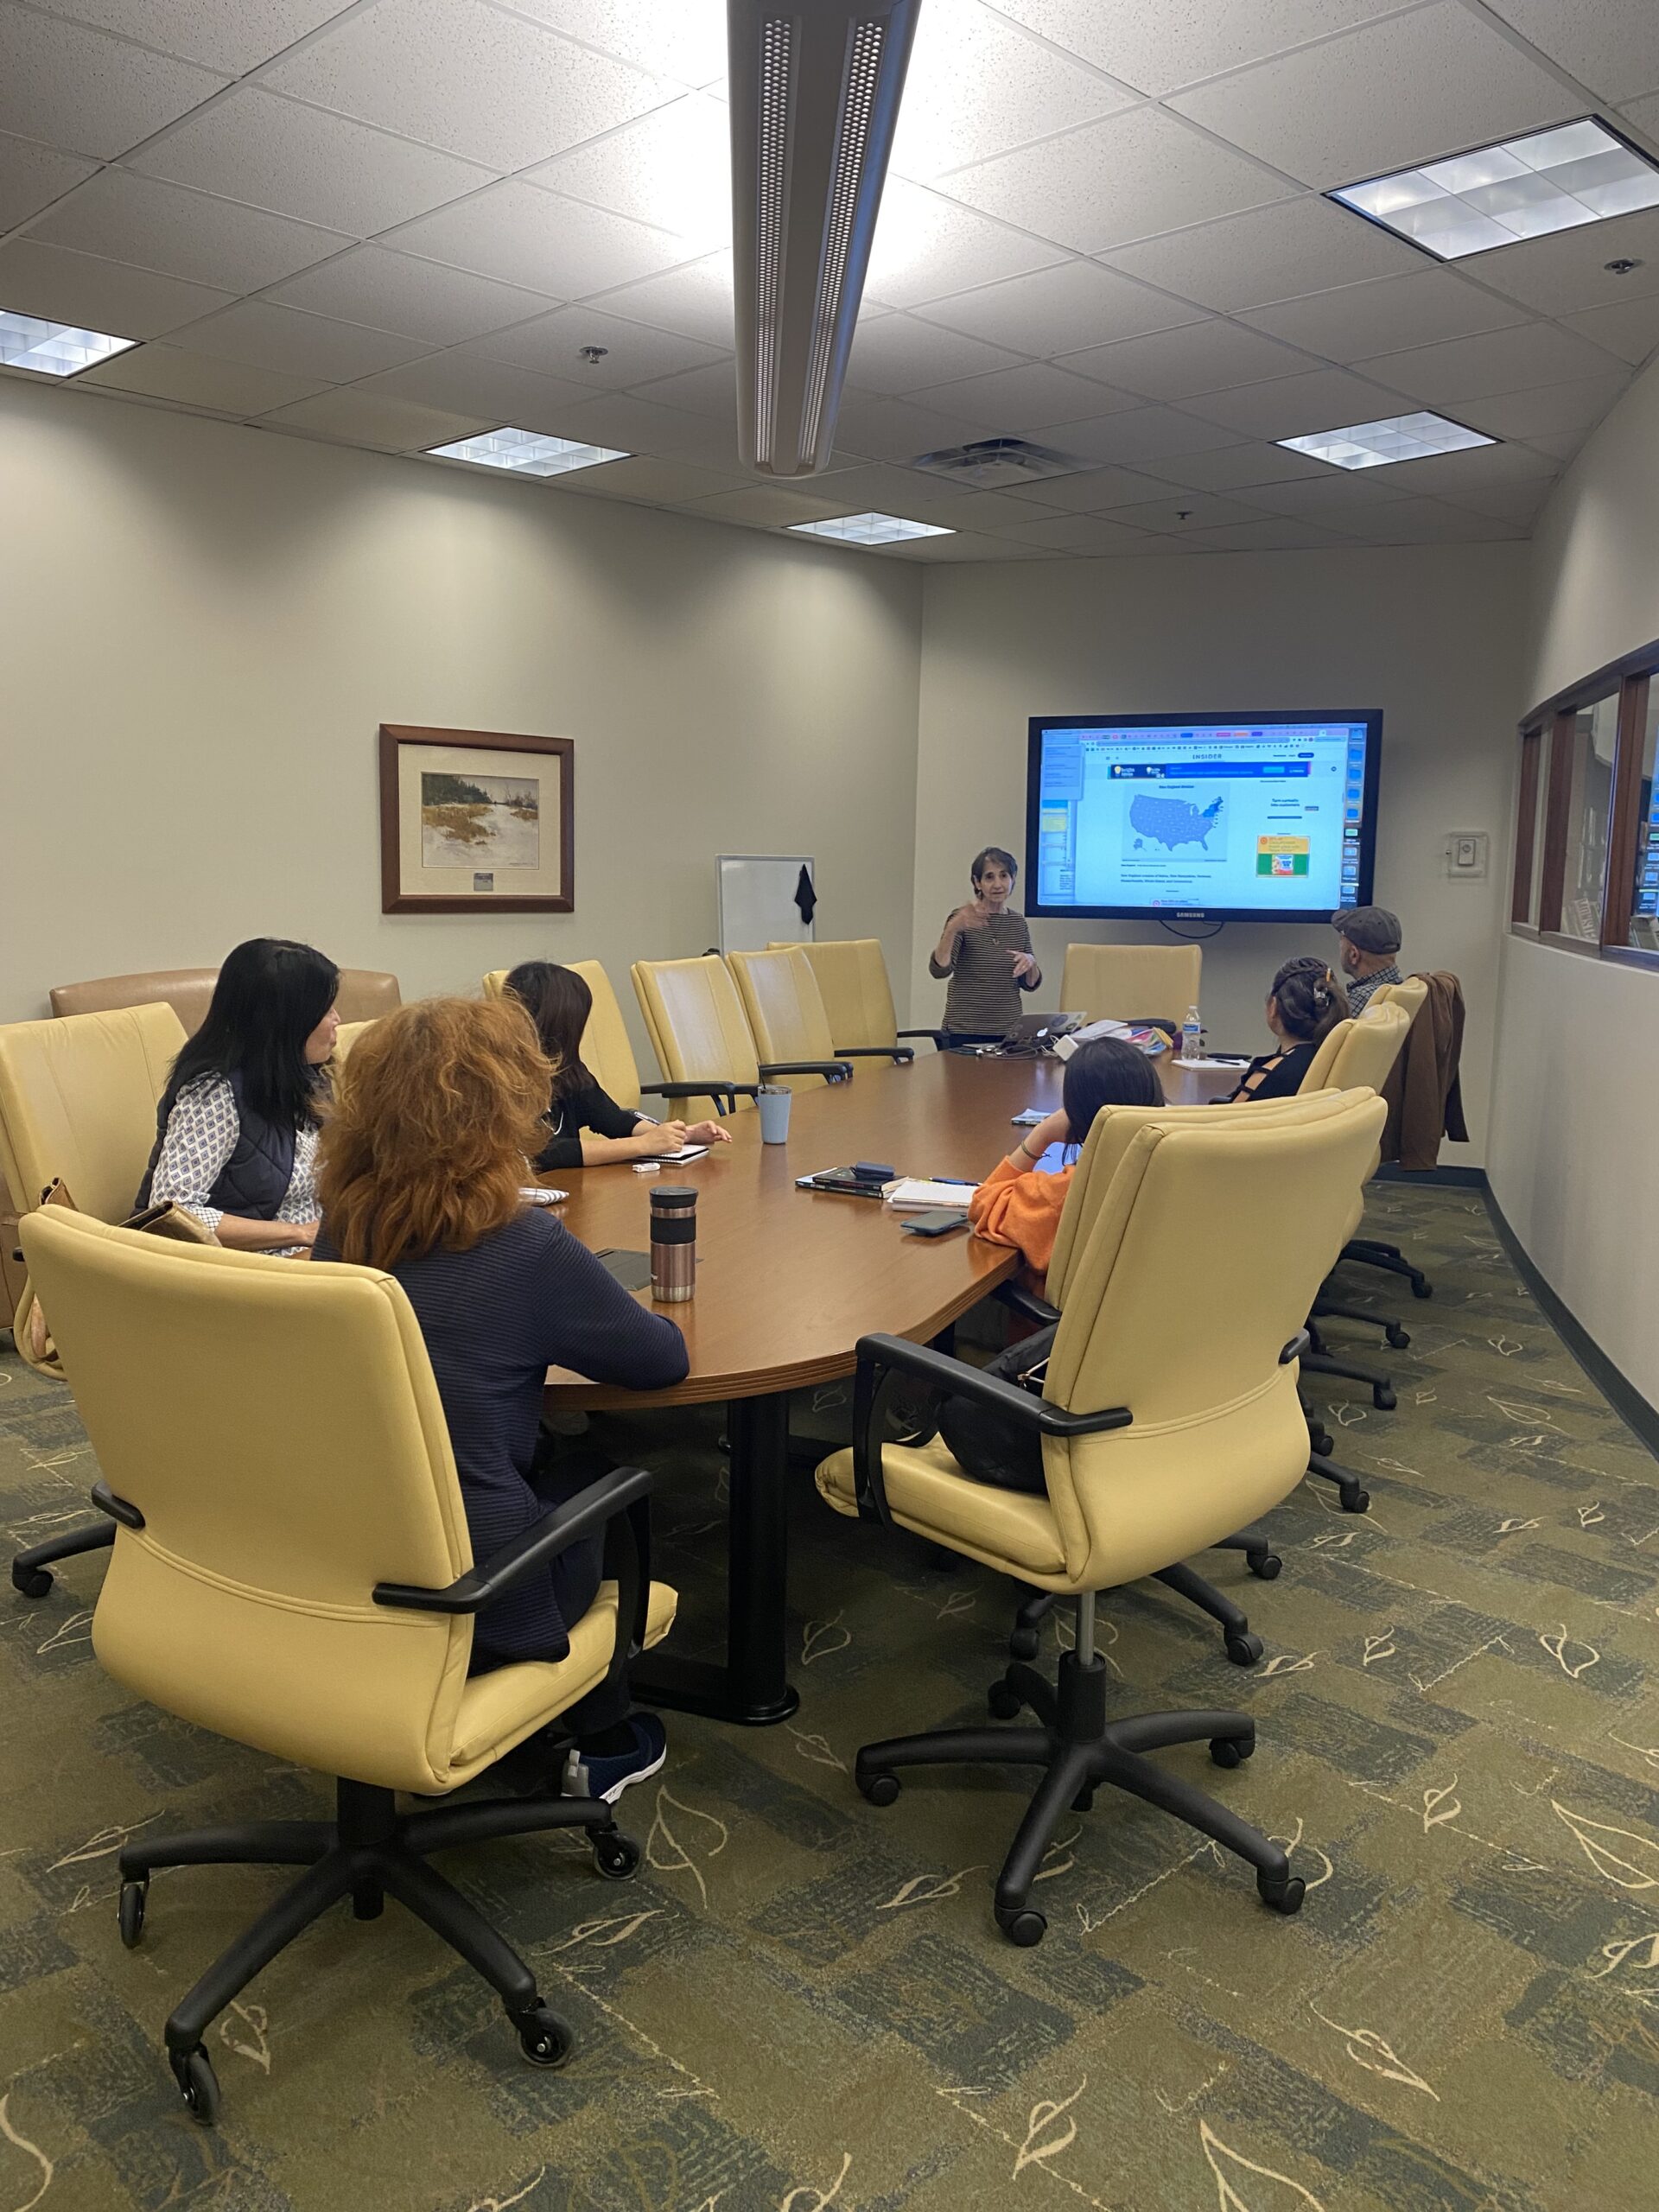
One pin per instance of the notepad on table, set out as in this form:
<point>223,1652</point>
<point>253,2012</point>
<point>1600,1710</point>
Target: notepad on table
<point>542,1194</point>
<point>911,1193</point>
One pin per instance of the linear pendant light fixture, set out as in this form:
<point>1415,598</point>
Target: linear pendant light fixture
<point>814,92</point>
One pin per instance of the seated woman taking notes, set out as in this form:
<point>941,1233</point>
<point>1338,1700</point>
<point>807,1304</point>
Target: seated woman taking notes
<point>421,1163</point>
<point>585,1126</point>
<point>1304,1001</point>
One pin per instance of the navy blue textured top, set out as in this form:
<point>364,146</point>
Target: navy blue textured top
<point>529,1297</point>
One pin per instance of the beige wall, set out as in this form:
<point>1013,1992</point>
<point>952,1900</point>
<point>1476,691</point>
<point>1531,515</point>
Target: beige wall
<point>202,626</point>
<point>1574,1111</point>
<point>1430,634</point>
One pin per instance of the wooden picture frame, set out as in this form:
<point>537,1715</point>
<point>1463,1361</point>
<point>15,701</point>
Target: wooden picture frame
<point>487,805</point>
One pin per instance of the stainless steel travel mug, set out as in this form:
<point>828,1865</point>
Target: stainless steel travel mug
<point>673,1243</point>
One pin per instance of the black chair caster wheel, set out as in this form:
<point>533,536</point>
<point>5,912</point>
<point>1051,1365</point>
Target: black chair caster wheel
<point>616,1856</point>
<point>131,1911</point>
<point>198,2083</point>
<point>1244,1647</point>
<point>1322,1441</point>
<point>1382,1398</point>
<point>1023,1643</point>
<point>32,1582</point>
<point>1264,1565</point>
<point>542,2036</point>
<point>1231,1750</point>
<point>1421,1286</point>
<point>1022,1925</point>
<point>1356,1501</point>
<point>1281,1892</point>
<point>1398,1337</point>
<point>1005,1704</point>
<point>879,1789</point>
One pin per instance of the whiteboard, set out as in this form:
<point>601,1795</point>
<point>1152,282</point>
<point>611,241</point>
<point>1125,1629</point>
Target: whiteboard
<point>756,899</point>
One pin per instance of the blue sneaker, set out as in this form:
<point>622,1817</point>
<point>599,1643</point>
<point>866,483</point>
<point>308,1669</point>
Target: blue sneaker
<point>607,1776</point>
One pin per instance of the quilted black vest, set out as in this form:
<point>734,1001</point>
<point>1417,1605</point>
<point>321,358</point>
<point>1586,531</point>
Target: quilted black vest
<point>254,1180</point>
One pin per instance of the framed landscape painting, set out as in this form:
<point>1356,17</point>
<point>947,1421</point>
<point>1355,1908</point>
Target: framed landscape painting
<point>475,819</point>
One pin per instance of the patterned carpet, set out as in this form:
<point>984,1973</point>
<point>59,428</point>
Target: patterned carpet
<point>803,2003</point>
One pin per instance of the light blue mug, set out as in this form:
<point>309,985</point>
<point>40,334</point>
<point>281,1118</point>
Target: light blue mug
<point>773,1101</point>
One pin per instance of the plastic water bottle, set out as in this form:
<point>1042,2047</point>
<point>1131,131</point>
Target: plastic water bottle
<point>1191,1035</point>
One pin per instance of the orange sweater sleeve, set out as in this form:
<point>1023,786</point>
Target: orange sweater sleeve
<point>1018,1206</point>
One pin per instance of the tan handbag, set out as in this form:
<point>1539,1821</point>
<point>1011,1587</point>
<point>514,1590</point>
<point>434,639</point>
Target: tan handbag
<point>34,1338</point>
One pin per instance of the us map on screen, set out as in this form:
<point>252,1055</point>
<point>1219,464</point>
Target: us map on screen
<point>1267,817</point>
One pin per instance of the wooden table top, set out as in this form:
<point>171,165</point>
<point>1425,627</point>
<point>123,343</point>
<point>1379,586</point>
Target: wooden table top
<point>789,1280</point>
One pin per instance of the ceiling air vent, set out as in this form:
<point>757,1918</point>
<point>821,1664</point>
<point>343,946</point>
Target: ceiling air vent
<point>815,95</point>
<point>1000,464</point>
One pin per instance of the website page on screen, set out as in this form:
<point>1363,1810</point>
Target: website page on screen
<point>1208,815</point>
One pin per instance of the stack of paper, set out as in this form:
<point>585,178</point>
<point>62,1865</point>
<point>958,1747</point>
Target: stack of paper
<point>913,1194</point>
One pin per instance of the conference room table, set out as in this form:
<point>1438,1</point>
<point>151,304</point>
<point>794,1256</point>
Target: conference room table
<point>787,1282</point>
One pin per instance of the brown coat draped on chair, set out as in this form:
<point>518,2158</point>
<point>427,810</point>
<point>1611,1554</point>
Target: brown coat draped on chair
<point>1423,1091</point>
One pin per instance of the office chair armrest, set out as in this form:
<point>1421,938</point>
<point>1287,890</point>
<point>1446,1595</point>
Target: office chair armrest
<point>831,1070</point>
<point>106,1500</point>
<point>897,1053</point>
<point>879,1356</point>
<point>532,1548</point>
<point>713,1088</point>
<point>1296,1348</point>
<point>938,1035</point>
<point>1026,1303</point>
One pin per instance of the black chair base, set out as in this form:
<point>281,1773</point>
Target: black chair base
<point>1354,1497</point>
<point>28,1569</point>
<point>1078,1750</point>
<point>1372,1252</point>
<point>1380,1385</point>
<point>368,1850</point>
<point>1397,1337</point>
<point>1243,1647</point>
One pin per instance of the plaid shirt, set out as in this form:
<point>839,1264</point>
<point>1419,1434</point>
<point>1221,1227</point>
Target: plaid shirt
<point>1359,992</point>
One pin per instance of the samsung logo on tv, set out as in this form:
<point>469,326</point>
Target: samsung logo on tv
<point>1190,914</point>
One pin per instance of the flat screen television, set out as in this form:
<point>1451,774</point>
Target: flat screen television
<point>1264,818</point>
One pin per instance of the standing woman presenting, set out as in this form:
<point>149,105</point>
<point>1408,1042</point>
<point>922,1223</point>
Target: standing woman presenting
<point>985,950</point>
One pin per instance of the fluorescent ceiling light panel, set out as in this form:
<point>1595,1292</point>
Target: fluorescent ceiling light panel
<point>1523,188</point>
<point>870,529</point>
<point>526,453</point>
<point>55,349</point>
<point>1398,437</point>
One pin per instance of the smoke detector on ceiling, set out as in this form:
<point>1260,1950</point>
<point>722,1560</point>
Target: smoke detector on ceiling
<point>999,464</point>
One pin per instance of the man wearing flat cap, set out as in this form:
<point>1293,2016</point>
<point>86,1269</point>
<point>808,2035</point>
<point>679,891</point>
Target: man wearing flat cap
<point>1369,938</point>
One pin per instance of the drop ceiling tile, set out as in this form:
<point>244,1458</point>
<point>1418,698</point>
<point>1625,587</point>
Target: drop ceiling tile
<point>976,86</point>
<point>1201,357</point>
<point>1077,534</point>
<point>900,353</point>
<point>1290,407</point>
<point>641,426</point>
<point>468,78</point>
<point>1331,497</point>
<point>649,483</point>
<point>199,380</point>
<point>892,429</point>
<point>683,39</point>
<point>672,169</point>
<point>879,487</point>
<point>465,384</point>
<point>709,390</point>
<point>1495,361</point>
<point>1643,114</point>
<point>1024,399</point>
<point>1422,522</point>
<point>1238,467</point>
<point>1139,436</point>
<point>1060,310</point>
<point>416,299</point>
<point>927,247</point>
<point>1355,320</point>
<point>1411,88</point>
<point>1270,253</point>
<point>1547,410</point>
<point>1277,535</point>
<point>303,162</point>
<point>64,287</point>
<point>267,336</point>
<point>361,418</point>
<point>1560,445</point>
<point>1111,182</point>
<point>994,511</point>
<point>234,36</point>
<point>1567,272</point>
<point>32,177</point>
<point>1507,502</point>
<point>1460,475</point>
<point>189,234</point>
<point>1613,47</point>
<point>1630,329</point>
<point>633,353</point>
<point>1097,491</point>
<point>1180,514</point>
<point>693,300</point>
<point>1155,49</point>
<point>774,505</point>
<point>86,93</point>
<point>962,545</point>
<point>520,235</point>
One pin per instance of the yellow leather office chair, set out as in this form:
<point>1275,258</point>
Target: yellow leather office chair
<point>345,1037</point>
<point>700,1035</point>
<point>365,993</point>
<point>292,1571</point>
<point>1412,994</point>
<point>1168,1418</point>
<point>77,1100</point>
<point>853,982</point>
<point>786,1010</point>
<point>606,1052</point>
<point>1125,982</point>
<point>1319,1073</point>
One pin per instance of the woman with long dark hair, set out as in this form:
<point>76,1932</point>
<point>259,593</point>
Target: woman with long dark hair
<point>1304,1003</point>
<point>585,1125</point>
<point>235,1128</point>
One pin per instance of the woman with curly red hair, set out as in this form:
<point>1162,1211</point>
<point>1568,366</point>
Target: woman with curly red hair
<point>421,1163</point>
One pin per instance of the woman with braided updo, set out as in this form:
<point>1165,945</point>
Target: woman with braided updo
<point>1303,1002</point>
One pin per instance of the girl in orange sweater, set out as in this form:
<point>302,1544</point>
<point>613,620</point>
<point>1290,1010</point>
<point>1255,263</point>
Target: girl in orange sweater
<point>1017,1204</point>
